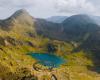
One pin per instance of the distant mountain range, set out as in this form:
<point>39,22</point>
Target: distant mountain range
<point>60,19</point>
<point>76,28</point>
<point>57,19</point>
<point>72,28</point>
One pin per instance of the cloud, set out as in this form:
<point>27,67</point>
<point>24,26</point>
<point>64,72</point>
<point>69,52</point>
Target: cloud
<point>8,7</point>
<point>16,3</point>
<point>46,8</point>
<point>77,6</point>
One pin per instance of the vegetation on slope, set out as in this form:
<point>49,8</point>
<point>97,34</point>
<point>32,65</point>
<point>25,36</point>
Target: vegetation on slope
<point>18,37</point>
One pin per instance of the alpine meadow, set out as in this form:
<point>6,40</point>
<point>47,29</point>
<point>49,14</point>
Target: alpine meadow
<point>49,40</point>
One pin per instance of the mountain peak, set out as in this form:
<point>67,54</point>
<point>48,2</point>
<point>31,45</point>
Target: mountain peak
<point>22,17</point>
<point>80,18</point>
<point>21,12</point>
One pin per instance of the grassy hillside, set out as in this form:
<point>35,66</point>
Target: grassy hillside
<point>19,37</point>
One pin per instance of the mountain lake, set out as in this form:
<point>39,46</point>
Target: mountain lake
<point>46,59</point>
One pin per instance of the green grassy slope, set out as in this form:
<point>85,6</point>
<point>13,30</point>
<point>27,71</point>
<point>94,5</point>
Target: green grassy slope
<point>21,38</point>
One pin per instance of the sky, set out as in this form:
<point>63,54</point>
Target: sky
<point>47,8</point>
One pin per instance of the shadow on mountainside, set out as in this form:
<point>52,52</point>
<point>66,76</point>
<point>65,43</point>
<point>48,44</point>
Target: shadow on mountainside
<point>96,61</point>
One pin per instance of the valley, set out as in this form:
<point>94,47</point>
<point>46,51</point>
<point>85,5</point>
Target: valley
<point>76,40</point>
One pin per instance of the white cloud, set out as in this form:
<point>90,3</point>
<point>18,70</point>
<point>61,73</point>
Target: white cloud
<point>8,7</point>
<point>76,6</point>
<point>45,8</point>
<point>16,3</point>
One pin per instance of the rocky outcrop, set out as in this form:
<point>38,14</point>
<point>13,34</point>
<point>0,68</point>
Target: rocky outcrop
<point>53,77</point>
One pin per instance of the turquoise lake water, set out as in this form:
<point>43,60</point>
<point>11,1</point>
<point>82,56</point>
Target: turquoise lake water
<point>49,60</point>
